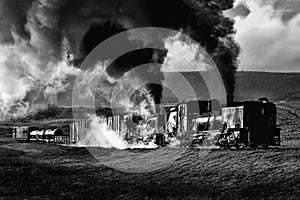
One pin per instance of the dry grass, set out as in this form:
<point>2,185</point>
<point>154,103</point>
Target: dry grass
<point>49,171</point>
<point>288,120</point>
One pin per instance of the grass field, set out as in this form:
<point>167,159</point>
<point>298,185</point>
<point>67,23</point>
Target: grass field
<point>32,170</point>
<point>288,119</point>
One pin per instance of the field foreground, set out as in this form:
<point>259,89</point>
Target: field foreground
<point>32,170</point>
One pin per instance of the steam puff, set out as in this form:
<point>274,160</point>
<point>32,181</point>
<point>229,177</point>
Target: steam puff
<point>31,56</point>
<point>99,135</point>
<point>43,26</point>
<point>23,70</point>
<point>267,42</point>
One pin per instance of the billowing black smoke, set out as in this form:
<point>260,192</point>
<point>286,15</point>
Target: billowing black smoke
<point>202,20</point>
<point>54,30</point>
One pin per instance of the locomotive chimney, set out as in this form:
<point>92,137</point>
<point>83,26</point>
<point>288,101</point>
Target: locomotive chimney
<point>230,100</point>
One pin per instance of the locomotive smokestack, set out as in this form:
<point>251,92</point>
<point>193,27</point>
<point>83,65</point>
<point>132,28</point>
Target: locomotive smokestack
<point>230,100</point>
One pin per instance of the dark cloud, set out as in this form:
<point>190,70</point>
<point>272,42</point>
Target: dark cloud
<point>289,8</point>
<point>241,10</point>
<point>11,23</point>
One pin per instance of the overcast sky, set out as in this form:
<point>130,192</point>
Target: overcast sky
<point>268,33</point>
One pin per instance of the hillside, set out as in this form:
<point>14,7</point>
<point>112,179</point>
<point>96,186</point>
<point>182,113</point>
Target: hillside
<point>249,86</point>
<point>275,86</point>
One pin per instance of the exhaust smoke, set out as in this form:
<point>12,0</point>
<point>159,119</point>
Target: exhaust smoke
<point>43,42</point>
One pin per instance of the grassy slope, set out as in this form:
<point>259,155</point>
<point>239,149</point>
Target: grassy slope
<point>289,121</point>
<point>253,85</point>
<point>275,86</point>
<point>43,171</point>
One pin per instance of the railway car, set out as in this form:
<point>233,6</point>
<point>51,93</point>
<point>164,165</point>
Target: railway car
<point>48,135</point>
<point>20,132</point>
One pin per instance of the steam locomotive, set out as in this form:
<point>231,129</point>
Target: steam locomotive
<point>204,123</point>
<point>250,123</point>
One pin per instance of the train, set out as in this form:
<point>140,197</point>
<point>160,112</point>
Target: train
<point>194,124</point>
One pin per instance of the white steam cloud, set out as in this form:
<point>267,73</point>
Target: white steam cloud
<point>99,135</point>
<point>267,42</point>
<point>32,57</point>
<point>24,69</point>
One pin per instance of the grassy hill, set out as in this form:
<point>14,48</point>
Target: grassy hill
<point>275,86</point>
<point>250,86</point>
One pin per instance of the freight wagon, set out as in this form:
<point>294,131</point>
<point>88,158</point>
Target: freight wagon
<point>45,132</point>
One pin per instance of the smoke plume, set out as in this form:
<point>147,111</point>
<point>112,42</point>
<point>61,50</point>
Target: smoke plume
<point>31,57</point>
<point>43,42</point>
